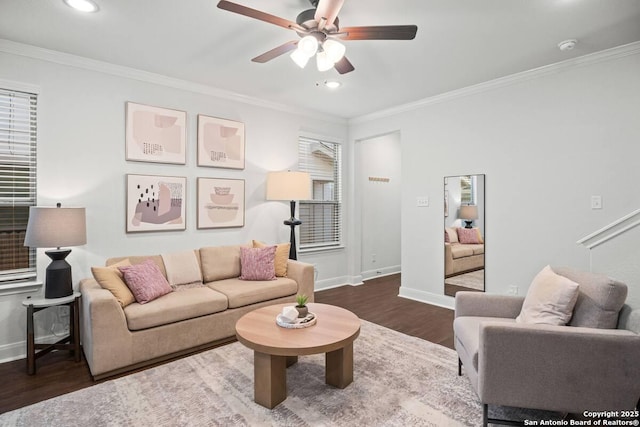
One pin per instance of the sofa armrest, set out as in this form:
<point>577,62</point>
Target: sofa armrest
<point>106,339</point>
<point>480,304</point>
<point>558,368</point>
<point>303,274</point>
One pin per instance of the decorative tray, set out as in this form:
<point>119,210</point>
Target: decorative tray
<point>299,323</point>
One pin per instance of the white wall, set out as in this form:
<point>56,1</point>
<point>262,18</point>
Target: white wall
<point>379,202</point>
<point>81,162</point>
<point>546,141</point>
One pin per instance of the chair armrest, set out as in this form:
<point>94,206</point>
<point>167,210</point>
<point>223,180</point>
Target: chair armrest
<point>480,304</point>
<point>303,274</point>
<point>558,368</point>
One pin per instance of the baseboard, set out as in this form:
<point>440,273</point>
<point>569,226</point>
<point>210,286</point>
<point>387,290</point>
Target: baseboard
<point>13,351</point>
<point>337,282</point>
<point>427,297</point>
<point>380,272</point>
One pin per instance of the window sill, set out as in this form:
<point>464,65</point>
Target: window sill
<point>20,287</point>
<point>321,249</point>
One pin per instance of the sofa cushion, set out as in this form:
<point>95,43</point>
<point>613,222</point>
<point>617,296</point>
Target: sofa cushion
<point>220,262</point>
<point>550,299</point>
<point>157,260</point>
<point>174,307</point>
<point>600,299</point>
<point>145,281</point>
<point>258,263</point>
<point>467,333</point>
<point>243,292</point>
<point>282,256</point>
<point>111,278</point>
<point>453,234</point>
<point>182,268</point>
<point>460,251</point>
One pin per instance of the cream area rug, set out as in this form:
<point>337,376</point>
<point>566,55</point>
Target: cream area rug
<point>472,280</point>
<point>399,380</point>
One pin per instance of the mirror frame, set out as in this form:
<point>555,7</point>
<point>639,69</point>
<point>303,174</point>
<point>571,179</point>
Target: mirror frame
<point>468,273</point>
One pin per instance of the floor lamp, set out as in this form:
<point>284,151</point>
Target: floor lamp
<point>52,228</point>
<point>291,186</point>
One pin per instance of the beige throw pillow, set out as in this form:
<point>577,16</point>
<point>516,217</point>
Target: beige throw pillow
<point>550,299</point>
<point>111,278</point>
<point>282,256</point>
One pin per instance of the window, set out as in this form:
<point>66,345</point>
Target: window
<point>322,217</point>
<point>17,183</point>
<point>468,190</point>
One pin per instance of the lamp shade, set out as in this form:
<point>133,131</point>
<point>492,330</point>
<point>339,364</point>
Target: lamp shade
<point>50,227</point>
<point>469,212</point>
<point>289,185</point>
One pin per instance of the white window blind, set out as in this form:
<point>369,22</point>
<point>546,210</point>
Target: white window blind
<point>17,183</point>
<point>322,217</point>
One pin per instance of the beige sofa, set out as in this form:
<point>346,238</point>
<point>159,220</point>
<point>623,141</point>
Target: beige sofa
<point>117,339</point>
<point>460,257</point>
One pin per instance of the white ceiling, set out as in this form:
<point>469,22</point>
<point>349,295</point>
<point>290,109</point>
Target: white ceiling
<point>459,43</point>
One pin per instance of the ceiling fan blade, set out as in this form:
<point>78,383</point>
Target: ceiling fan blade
<point>344,66</point>
<point>274,53</point>
<point>329,10</point>
<point>256,14</point>
<point>380,32</point>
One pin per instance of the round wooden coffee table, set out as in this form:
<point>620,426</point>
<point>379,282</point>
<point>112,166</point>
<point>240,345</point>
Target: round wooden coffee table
<point>275,348</point>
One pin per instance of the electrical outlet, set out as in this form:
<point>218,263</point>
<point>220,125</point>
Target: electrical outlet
<point>513,290</point>
<point>422,201</point>
<point>596,202</point>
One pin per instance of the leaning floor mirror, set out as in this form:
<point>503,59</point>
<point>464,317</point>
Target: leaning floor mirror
<point>464,233</point>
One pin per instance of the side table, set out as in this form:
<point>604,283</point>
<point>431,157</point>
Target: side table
<point>70,342</point>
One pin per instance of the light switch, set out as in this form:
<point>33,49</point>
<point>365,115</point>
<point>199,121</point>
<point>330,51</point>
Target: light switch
<point>422,201</point>
<point>596,202</point>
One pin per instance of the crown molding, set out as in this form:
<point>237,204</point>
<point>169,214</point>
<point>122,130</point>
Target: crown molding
<point>592,58</point>
<point>76,61</point>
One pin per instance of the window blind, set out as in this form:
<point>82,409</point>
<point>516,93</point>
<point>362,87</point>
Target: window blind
<point>17,183</point>
<point>321,217</point>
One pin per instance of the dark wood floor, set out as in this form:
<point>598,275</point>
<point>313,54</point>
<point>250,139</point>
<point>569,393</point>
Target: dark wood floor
<point>375,301</point>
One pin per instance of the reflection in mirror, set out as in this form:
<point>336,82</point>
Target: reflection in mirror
<point>464,233</point>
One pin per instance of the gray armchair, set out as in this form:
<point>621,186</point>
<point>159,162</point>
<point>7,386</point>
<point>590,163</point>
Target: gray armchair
<point>573,368</point>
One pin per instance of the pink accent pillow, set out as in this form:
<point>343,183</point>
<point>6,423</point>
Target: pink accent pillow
<point>145,281</point>
<point>446,237</point>
<point>469,235</point>
<point>258,263</point>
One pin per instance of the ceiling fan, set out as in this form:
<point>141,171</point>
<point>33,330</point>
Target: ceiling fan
<point>320,34</point>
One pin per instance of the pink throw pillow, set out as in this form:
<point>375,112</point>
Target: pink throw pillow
<point>469,235</point>
<point>446,237</point>
<point>258,263</point>
<point>145,281</point>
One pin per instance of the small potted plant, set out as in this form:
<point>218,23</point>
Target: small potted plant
<point>301,306</point>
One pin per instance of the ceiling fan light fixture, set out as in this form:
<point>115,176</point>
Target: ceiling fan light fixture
<point>82,5</point>
<point>335,50</point>
<point>323,61</point>
<point>308,45</point>
<point>300,58</point>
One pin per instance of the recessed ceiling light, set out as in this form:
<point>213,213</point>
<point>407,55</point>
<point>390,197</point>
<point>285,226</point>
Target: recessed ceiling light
<point>82,5</point>
<point>567,44</point>
<point>332,84</point>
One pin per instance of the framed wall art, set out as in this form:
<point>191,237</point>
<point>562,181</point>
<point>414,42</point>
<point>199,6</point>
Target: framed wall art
<point>156,203</point>
<point>220,203</point>
<point>154,134</point>
<point>220,143</point>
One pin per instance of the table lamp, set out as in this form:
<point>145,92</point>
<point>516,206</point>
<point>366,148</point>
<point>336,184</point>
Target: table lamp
<point>468,213</point>
<point>50,227</point>
<point>292,186</point>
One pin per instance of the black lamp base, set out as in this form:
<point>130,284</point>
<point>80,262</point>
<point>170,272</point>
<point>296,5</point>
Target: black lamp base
<point>292,222</point>
<point>58,277</point>
<point>468,224</point>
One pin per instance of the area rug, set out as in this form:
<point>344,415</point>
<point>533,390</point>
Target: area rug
<point>399,380</point>
<point>472,280</point>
